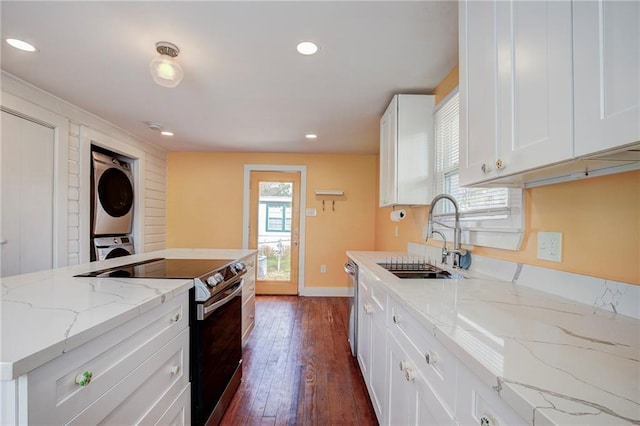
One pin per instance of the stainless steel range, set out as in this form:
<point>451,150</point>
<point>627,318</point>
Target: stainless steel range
<point>216,326</point>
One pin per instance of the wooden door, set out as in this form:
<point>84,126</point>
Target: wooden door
<point>27,167</point>
<point>274,230</point>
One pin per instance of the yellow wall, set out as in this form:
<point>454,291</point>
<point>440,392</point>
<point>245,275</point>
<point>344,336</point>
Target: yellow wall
<point>205,196</point>
<point>599,219</point>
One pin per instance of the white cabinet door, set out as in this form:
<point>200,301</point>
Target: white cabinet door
<point>516,87</point>
<point>477,401</point>
<point>402,395</point>
<point>406,151</point>
<point>364,329</point>
<point>478,90</point>
<point>27,154</point>
<point>535,84</point>
<point>378,355</point>
<point>607,74</point>
<point>411,399</point>
<point>388,154</point>
<point>372,339</point>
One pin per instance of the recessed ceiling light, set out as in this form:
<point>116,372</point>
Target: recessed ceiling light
<point>307,47</point>
<point>19,44</point>
<point>311,136</point>
<point>166,133</point>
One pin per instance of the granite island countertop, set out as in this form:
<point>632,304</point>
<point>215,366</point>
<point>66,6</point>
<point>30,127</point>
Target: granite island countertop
<point>553,360</point>
<point>45,314</point>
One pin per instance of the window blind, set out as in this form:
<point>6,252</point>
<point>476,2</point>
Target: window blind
<point>474,203</point>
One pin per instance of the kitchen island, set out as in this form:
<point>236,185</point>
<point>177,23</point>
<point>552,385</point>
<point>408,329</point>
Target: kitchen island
<point>50,317</point>
<point>490,350</point>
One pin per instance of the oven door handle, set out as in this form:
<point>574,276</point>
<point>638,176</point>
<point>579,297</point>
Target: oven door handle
<point>208,309</point>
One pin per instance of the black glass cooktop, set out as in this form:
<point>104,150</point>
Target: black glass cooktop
<point>161,268</point>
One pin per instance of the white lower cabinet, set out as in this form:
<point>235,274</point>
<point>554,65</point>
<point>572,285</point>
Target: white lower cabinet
<point>412,379</point>
<point>248,298</point>
<point>412,401</point>
<point>372,339</point>
<point>480,405</point>
<point>135,372</point>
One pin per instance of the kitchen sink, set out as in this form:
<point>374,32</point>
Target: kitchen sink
<point>418,271</point>
<point>422,274</point>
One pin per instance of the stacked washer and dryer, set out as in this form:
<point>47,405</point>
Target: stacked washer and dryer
<point>112,197</point>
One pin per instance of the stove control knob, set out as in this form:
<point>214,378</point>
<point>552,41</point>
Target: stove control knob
<point>240,266</point>
<point>215,279</point>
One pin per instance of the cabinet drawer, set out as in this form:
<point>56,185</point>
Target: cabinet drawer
<point>53,394</point>
<point>437,364</point>
<point>179,413</point>
<point>142,396</point>
<point>249,285</point>
<point>248,317</point>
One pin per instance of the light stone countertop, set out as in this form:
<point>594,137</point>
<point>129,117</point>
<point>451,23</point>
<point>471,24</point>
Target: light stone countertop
<point>45,314</point>
<point>554,361</point>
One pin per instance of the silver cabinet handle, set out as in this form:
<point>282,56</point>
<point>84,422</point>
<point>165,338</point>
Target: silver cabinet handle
<point>3,242</point>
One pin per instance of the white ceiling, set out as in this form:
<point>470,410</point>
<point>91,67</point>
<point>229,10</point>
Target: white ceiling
<point>245,86</point>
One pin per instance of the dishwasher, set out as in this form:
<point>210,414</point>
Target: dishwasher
<point>352,271</point>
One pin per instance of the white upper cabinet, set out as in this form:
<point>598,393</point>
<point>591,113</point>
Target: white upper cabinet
<point>607,74</point>
<point>546,83</point>
<point>406,151</point>
<point>515,87</point>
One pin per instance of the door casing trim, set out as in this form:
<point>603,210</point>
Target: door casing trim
<point>246,202</point>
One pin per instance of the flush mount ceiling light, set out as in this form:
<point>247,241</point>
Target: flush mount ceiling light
<point>20,44</point>
<point>307,48</point>
<point>164,69</point>
<point>311,136</point>
<point>157,127</point>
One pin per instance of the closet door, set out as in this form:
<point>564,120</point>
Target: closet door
<point>27,179</point>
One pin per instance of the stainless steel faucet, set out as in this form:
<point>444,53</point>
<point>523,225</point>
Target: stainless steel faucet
<point>445,251</point>
<point>457,250</point>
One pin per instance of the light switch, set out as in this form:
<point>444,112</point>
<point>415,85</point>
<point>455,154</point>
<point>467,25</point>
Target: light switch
<point>311,212</point>
<point>550,246</point>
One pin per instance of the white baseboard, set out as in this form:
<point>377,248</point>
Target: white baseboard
<point>326,292</point>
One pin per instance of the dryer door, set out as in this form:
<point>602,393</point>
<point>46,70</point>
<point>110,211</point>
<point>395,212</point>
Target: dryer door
<point>115,192</point>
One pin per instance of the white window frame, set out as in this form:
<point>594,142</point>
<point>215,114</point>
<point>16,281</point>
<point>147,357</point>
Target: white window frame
<point>501,228</point>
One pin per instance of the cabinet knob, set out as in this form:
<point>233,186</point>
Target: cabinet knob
<point>175,370</point>
<point>84,378</point>
<point>431,357</point>
<point>175,317</point>
<point>403,365</point>
<point>368,309</point>
<point>485,168</point>
<point>487,420</point>
<point>409,375</point>
<point>252,288</point>
<point>499,164</point>
<point>396,319</point>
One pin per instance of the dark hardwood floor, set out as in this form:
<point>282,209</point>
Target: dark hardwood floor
<point>298,369</point>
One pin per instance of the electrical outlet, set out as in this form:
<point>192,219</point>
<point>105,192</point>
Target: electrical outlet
<point>550,246</point>
<point>323,269</point>
<point>311,212</point>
